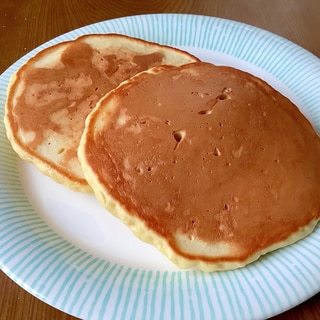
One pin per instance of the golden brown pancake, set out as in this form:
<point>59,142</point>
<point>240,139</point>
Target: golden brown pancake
<point>209,164</point>
<point>50,96</point>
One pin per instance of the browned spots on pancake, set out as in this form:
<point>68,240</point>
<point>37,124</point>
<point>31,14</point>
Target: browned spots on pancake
<point>59,98</point>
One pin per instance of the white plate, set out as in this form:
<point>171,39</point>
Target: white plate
<point>66,250</point>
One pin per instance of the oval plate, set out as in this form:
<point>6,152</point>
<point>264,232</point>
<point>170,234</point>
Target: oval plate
<point>66,250</point>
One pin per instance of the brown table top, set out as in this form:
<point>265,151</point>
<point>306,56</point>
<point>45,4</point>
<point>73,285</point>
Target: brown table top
<point>25,24</point>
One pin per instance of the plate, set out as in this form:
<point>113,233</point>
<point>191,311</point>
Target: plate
<point>64,248</point>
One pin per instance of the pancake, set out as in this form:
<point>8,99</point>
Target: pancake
<point>209,164</point>
<point>50,96</point>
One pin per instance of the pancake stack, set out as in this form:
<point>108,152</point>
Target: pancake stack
<point>209,164</point>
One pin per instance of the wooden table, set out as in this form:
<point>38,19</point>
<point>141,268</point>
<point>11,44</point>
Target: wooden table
<point>25,24</point>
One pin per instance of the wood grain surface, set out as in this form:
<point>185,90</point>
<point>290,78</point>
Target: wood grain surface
<point>25,24</point>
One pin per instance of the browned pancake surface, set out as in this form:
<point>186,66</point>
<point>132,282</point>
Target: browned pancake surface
<point>209,164</point>
<point>51,95</point>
